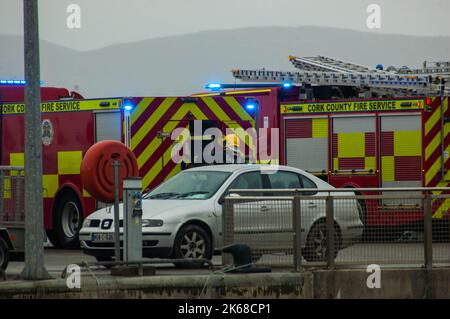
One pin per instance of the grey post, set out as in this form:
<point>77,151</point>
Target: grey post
<point>331,247</point>
<point>297,223</point>
<point>34,217</point>
<point>428,243</point>
<point>116,212</point>
<point>132,219</point>
<point>227,227</point>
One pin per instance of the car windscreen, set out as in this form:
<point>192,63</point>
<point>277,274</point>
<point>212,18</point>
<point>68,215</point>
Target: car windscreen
<point>190,185</point>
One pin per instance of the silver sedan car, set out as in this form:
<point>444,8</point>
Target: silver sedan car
<point>182,218</point>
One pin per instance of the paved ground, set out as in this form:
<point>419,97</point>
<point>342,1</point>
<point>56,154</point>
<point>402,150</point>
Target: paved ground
<point>404,254</point>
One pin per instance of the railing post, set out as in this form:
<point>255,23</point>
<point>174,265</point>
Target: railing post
<point>2,194</point>
<point>17,197</point>
<point>330,232</point>
<point>227,228</point>
<point>297,224</point>
<point>428,243</point>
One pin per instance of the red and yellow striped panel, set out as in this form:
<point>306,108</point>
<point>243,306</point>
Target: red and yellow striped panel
<point>354,151</point>
<point>401,158</point>
<point>68,168</point>
<point>433,152</point>
<point>155,118</point>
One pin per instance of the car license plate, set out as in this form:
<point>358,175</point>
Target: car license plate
<point>102,237</point>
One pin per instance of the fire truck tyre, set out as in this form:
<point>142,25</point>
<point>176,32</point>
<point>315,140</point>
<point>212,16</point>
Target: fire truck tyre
<point>52,238</point>
<point>192,241</point>
<point>362,211</point>
<point>316,242</point>
<point>4,254</point>
<point>68,221</point>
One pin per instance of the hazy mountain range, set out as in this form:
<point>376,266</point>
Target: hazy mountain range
<point>181,65</point>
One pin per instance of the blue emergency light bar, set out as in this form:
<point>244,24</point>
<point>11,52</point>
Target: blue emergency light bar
<point>16,82</point>
<point>218,86</point>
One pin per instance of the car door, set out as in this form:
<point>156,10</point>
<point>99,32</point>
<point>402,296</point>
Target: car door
<point>244,211</point>
<point>282,210</point>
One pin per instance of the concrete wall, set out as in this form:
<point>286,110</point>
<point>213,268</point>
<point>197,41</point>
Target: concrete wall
<point>395,283</point>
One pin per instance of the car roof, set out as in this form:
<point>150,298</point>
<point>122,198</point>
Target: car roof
<point>241,167</point>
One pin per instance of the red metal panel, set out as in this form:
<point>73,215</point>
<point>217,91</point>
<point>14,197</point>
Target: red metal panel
<point>387,143</point>
<point>370,144</point>
<point>351,163</point>
<point>299,128</point>
<point>408,168</point>
<point>334,144</point>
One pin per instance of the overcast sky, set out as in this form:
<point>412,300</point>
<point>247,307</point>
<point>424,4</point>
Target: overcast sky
<point>105,22</point>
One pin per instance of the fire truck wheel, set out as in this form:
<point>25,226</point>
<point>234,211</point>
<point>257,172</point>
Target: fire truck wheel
<point>362,211</point>
<point>68,221</point>
<point>192,241</point>
<point>4,254</point>
<point>316,242</point>
<point>52,238</point>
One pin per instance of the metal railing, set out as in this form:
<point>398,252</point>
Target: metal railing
<point>340,227</point>
<point>12,185</point>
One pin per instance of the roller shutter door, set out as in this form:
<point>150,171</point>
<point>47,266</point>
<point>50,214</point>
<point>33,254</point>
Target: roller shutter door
<point>307,144</point>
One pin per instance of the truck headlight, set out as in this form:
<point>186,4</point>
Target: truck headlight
<point>152,223</point>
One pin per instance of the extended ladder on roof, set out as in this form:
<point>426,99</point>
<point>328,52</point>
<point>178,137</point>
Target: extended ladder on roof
<point>333,72</point>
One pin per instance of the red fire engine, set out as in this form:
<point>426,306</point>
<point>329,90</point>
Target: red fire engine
<point>352,126</point>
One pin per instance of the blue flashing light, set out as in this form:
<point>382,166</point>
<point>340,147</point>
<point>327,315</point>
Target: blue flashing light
<point>128,106</point>
<point>251,104</point>
<point>214,86</point>
<point>287,85</point>
<point>16,82</point>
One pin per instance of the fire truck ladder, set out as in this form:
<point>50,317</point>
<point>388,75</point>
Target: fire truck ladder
<point>326,64</point>
<point>329,71</point>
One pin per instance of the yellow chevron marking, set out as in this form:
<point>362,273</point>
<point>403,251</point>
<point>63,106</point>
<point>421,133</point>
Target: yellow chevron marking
<point>216,109</point>
<point>151,121</point>
<point>142,105</point>
<point>434,168</point>
<point>432,120</point>
<point>432,146</point>
<point>238,109</point>
<point>156,168</point>
<point>169,127</point>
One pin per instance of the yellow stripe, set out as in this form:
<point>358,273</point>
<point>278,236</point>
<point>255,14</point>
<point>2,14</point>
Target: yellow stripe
<point>434,168</point>
<point>432,146</point>
<point>231,93</point>
<point>432,120</point>
<point>151,121</point>
<point>142,105</point>
<point>238,109</point>
<point>246,92</point>
<point>216,109</point>
<point>156,168</point>
<point>169,127</point>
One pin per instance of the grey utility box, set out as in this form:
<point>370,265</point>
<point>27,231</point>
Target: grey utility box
<point>132,228</point>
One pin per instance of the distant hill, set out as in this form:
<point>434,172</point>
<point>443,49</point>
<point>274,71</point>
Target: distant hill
<point>181,65</point>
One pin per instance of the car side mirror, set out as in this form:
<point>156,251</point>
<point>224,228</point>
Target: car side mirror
<point>222,199</point>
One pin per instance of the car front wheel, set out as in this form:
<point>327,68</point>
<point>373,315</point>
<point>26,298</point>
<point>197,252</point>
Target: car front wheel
<point>317,243</point>
<point>192,242</point>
